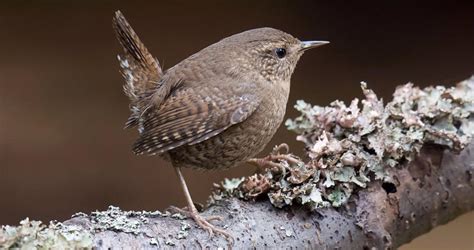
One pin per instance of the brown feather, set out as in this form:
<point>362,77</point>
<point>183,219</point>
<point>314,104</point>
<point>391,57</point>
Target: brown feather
<point>142,72</point>
<point>191,116</point>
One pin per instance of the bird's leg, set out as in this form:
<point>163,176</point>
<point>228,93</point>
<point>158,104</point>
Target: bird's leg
<point>192,212</point>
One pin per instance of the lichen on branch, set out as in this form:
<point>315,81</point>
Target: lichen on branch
<point>349,146</point>
<point>32,234</point>
<point>35,235</point>
<point>349,149</point>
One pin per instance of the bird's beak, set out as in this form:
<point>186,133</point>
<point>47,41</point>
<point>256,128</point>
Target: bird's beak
<point>305,45</point>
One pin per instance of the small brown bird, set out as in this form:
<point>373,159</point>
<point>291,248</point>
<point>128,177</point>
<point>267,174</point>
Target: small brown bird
<point>215,109</point>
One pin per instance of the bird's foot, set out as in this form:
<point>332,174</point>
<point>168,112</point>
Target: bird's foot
<point>285,157</point>
<point>276,155</point>
<point>204,222</point>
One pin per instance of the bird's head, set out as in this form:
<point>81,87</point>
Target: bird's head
<point>273,53</point>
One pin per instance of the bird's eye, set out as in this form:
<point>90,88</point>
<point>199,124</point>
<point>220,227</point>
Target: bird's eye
<point>280,52</point>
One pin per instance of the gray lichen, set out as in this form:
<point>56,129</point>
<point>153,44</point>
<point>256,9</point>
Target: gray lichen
<point>57,235</point>
<point>35,235</point>
<point>349,146</point>
<point>121,221</point>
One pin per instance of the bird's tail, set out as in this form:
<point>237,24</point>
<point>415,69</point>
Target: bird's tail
<point>141,71</point>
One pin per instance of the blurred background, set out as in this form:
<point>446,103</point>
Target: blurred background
<point>62,144</point>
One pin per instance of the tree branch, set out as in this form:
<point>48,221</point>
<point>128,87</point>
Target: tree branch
<point>381,208</point>
<point>432,190</point>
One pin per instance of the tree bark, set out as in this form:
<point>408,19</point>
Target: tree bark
<point>427,192</point>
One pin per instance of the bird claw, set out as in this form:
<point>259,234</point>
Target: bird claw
<point>276,155</point>
<point>204,222</point>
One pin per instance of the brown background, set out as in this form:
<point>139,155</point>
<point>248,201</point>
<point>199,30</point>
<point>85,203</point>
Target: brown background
<point>62,146</point>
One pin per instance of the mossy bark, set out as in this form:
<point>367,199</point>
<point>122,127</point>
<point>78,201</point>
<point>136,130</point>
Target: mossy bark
<point>430,191</point>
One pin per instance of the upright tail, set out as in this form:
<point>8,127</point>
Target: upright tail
<point>142,72</point>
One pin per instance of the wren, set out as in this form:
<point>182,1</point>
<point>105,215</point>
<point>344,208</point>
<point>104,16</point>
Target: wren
<point>215,109</point>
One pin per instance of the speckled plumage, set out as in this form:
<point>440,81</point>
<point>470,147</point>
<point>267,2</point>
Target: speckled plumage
<point>215,109</point>
<point>209,78</point>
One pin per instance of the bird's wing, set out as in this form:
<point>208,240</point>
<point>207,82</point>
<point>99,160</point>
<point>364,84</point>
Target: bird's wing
<point>142,72</point>
<point>190,116</point>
